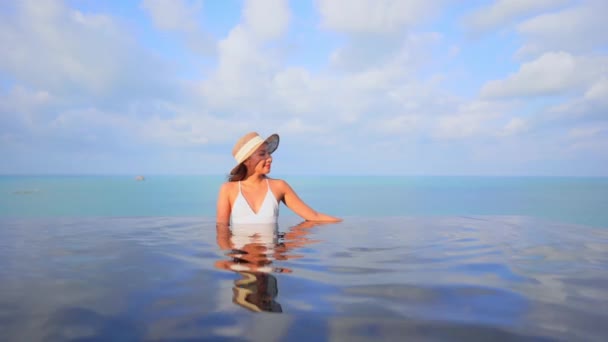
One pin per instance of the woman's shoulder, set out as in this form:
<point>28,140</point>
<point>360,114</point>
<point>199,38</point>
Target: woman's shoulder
<point>277,182</point>
<point>279,186</point>
<point>228,186</point>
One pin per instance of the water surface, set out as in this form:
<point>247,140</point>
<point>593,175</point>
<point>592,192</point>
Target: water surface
<point>368,278</point>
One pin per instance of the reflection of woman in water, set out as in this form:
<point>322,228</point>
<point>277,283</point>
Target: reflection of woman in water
<point>252,256</point>
<point>256,292</point>
<point>257,288</point>
<point>249,196</point>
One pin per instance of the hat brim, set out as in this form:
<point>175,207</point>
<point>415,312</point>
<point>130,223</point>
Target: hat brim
<point>273,144</point>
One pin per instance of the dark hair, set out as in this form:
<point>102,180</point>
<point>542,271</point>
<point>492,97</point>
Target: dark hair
<point>238,174</point>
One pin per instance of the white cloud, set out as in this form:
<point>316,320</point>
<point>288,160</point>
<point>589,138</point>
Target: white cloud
<point>593,148</point>
<point>592,105</point>
<point>80,121</point>
<point>504,12</point>
<point>97,93</point>
<point>170,125</point>
<point>243,74</point>
<point>295,89</point>
<point>584,132</point>
<point>183,19</point>
<point>514,126</point>
<point>374,16</point>
<point>553,73</point>
<point>174,15</point>
<point>69,53</point>
<point>297,126</point>
<point>472,120</point>
<point>598,92</point>
<point>251,83</point>
<point>267,19</point>
<point>246,66</point>
<point>189,129</point>
<point>399,124</point>
<point>588,138</point>
<point>21,99</point>
<point>406,51</point>
<point>21,108</point>
<point>577,29</point>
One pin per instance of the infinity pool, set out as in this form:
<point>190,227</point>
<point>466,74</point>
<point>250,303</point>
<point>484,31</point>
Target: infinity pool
<point>391,278</point>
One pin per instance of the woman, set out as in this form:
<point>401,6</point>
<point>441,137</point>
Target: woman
<point>249,196</point>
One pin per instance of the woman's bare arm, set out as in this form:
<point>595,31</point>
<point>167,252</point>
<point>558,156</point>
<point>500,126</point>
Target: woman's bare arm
<point>293,202</point>
<point>223,236</point>
<point>223,205</point>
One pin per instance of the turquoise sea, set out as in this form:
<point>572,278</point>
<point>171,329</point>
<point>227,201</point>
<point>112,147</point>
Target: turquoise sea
<point>571,200</point>
<point>108,258</point>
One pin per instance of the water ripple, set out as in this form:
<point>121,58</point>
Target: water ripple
<point>471,278</point>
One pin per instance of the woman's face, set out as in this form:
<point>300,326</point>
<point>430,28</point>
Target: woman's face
<point>260,160</point>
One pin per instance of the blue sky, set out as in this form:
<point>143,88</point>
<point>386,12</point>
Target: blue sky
<point>419,87</point>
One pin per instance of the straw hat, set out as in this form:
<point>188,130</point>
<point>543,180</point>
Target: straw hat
<point>256,292</point>
<point>250,142</point>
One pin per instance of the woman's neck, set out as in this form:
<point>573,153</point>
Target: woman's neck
<point>254,179</point>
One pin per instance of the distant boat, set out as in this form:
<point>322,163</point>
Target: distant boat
<point>140,178</point>
<point>26,192</point>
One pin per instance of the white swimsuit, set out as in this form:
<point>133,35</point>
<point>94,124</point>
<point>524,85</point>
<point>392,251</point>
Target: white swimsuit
<point>258,228</point>
<point>243,214</point>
